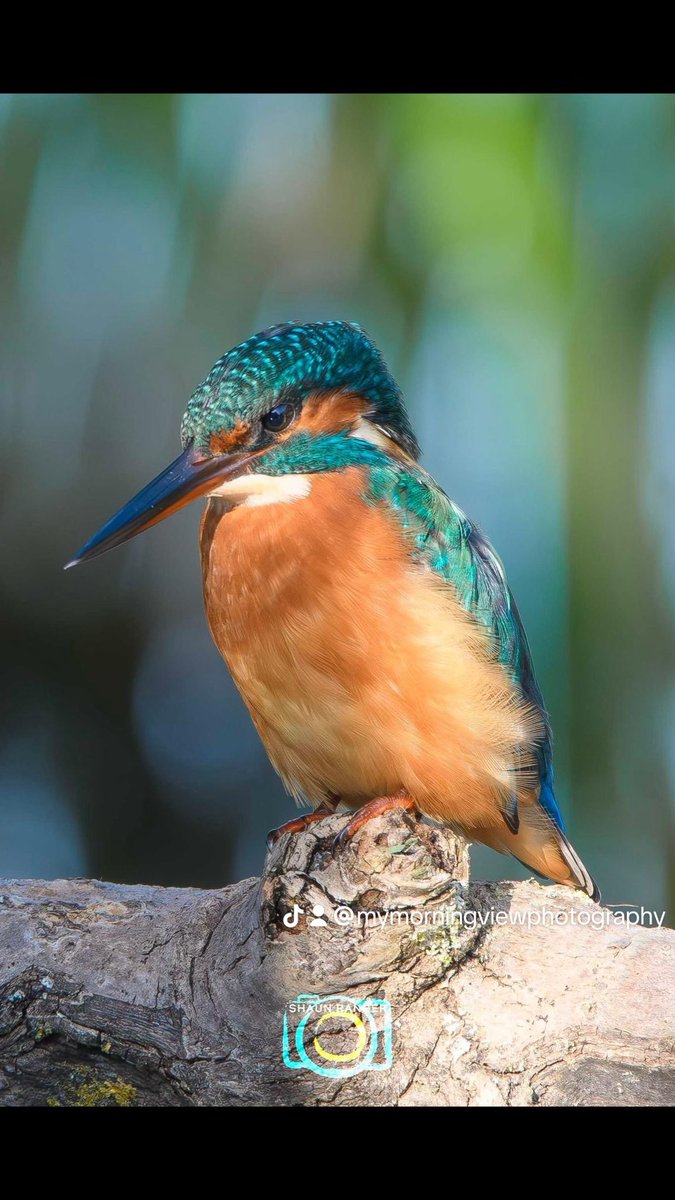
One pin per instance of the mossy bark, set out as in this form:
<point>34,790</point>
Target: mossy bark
<point>499,994</point>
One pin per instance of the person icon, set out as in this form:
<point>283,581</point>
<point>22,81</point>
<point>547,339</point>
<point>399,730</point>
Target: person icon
<point>318,910</point>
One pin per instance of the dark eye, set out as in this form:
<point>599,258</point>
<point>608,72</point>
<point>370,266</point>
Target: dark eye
<point>278,418</point>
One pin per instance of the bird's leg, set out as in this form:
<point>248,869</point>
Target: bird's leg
<point>374,808</point>
<point>299,824</point>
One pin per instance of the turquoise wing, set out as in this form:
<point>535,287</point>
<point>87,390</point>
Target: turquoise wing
<point>449,543</point>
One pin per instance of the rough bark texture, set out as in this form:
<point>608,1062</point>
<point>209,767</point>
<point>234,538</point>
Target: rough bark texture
<point>116,995</point>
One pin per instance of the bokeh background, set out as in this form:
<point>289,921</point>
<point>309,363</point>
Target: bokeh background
<point>514,257</point>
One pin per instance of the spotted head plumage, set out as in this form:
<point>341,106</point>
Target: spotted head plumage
<point>280,368</point>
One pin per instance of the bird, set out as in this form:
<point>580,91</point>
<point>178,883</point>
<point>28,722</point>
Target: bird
<point>367,622</point>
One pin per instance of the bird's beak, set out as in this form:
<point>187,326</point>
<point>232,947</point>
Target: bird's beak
<point>190,475</point>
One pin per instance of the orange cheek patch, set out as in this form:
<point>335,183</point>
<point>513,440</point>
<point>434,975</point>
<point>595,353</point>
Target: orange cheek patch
<point>328,413</point>
<point>227,440</point>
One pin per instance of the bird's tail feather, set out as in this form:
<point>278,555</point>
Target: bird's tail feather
<point>584,878</point>
<point>542,847</point>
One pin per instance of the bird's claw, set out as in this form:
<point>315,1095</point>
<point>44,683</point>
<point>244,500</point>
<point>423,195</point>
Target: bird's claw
<point>298,824</point>
<point>374,808</point>
<point>341,839</point>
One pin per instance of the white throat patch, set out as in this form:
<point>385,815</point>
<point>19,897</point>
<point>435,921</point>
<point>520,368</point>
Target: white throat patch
<point>254,491</point>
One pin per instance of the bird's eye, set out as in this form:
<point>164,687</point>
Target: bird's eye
<point>278,418</point>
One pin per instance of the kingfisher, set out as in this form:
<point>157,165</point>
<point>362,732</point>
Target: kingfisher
<point>366,621</point>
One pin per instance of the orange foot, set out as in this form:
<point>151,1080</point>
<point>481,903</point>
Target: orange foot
<point>374,808</point>
<point>299,824</point>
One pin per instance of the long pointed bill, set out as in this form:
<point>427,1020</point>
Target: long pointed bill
<point>189,476</point>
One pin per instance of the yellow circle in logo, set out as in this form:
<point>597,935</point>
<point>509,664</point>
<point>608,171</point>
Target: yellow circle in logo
<point>357,1023</point>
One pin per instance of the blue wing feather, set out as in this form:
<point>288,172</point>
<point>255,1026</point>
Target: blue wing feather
<point>448,542</point>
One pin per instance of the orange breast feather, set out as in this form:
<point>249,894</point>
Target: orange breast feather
<point>362,673</point>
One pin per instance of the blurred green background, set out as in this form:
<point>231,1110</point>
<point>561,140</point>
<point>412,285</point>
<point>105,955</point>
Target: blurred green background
<point>513,255</point>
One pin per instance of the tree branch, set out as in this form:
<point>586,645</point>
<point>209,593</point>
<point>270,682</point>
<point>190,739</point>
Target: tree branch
<point>116,995</point>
